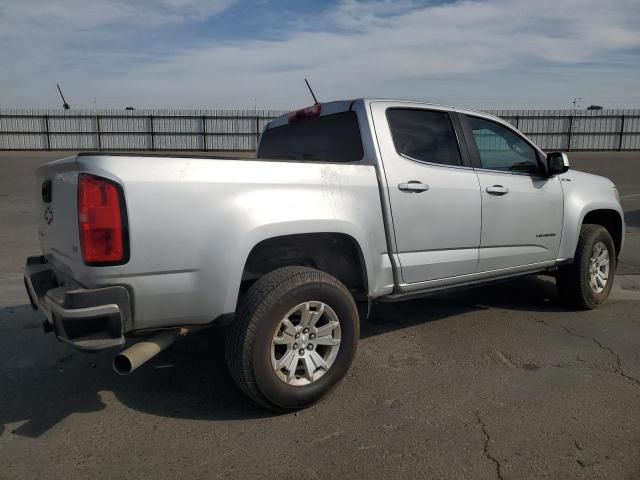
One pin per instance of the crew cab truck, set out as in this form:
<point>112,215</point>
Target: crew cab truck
<point>347,202</point>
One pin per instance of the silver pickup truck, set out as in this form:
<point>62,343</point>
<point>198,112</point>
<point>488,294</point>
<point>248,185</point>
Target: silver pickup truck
<point>347,203</point>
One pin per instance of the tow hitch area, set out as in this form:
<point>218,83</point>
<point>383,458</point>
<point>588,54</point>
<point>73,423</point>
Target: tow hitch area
<point>86,319</point>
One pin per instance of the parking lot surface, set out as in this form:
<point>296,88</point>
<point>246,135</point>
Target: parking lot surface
<point>493,382</point>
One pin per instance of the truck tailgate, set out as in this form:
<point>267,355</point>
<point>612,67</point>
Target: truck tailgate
<point>57,213</point>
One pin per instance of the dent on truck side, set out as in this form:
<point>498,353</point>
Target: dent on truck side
<point>585,193</point>
<point>336,199</point>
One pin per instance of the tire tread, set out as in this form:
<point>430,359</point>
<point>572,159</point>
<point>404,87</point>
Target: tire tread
<point>241,334</point>
<point>572,281</point>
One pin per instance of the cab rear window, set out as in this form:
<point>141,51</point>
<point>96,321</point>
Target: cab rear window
<point>327,138</point>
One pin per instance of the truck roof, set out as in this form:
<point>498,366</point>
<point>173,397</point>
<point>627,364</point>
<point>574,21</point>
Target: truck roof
<point>328,108</point>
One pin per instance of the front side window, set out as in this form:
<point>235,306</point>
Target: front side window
<point>424,135</point>
<point>502,149</point>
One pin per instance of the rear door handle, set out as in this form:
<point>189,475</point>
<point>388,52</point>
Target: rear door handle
<point>497,190</point>
<point>413,186</point>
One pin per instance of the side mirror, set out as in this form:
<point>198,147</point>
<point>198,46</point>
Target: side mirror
<point>557,163</point>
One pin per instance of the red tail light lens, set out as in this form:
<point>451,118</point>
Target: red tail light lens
<point>312,111</point>
<point>101,219</point>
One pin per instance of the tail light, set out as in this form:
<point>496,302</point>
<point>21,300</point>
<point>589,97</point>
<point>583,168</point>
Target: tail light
<point>102,221</point>
<point>309,112</point>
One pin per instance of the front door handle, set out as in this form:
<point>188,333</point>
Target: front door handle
<point>497,190</point>
<point>413,186</point>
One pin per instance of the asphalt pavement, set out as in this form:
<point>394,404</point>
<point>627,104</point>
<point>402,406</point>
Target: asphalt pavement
<point>494,382</point>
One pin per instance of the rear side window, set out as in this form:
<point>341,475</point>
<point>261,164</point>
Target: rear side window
<point>328,138</point>
<point>424,135</point>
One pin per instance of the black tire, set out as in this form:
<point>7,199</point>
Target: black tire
<point>573,280</point>
<point>248,339</point>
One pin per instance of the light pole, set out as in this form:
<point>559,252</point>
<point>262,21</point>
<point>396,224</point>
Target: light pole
<point>575,102</point>
<point>573,141</point>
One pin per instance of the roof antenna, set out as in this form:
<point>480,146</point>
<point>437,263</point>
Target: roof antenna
<point>311,91</point>
<point>65,105</point>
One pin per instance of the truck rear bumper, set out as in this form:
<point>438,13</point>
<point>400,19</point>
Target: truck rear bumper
<point>88,319</point>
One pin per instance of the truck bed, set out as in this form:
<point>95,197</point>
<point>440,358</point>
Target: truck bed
<point>193,221</point>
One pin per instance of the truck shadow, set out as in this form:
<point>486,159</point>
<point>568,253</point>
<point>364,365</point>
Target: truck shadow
<point>44,382</point>
<point>531,294</point>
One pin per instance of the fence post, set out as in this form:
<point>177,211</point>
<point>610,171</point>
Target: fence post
<point>98,132</point>
<point>257,131</point>
<point>204,133</point>
<point>153,147</point>
<point>518,122</point>
<point>621,133</point>
<point>46,129</point>
<point>569,132</point>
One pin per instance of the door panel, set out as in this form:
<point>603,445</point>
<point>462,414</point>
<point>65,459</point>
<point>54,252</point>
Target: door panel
<point>522,226</point>
<point>437,264</point>
<point>522,209</point>
<point>437,221</point>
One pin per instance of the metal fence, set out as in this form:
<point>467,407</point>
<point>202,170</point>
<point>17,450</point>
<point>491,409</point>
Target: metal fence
<point>577,130</point>
<point>202,130</point>
<point>239,130</point>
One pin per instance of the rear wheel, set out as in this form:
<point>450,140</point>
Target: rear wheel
<point>587,282</point>
<point>294,338</point>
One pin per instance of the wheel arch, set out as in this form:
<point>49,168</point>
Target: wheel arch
<point>336,253</point>
<point>611,220</point>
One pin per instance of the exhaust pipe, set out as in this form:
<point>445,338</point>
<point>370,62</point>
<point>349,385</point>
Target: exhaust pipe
<point>128,360</point>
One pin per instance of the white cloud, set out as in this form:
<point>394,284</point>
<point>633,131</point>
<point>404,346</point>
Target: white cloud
<point>87,14</point>
<point>478,53</point>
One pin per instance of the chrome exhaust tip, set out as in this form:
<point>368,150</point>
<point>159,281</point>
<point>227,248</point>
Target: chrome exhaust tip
<point>140,353</point>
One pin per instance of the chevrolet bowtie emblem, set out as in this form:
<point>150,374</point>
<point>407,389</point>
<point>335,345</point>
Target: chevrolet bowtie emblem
<point>48,215</point>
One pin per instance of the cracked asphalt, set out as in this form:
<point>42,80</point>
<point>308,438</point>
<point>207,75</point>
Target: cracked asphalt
<point>493,382</point>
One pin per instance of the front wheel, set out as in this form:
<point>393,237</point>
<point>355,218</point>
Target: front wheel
<point>587,282</point>
<point>294,338</point>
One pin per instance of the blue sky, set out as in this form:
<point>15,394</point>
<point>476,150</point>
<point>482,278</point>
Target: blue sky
<point>237,54</point>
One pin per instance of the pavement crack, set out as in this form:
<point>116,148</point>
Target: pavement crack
<point>542,321</point>
<point>618,366</point>
<point>629,377</point>
<point>586,463</point>
<point>505,359</point>
<point>485,447</point>
<point>335,434</point>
